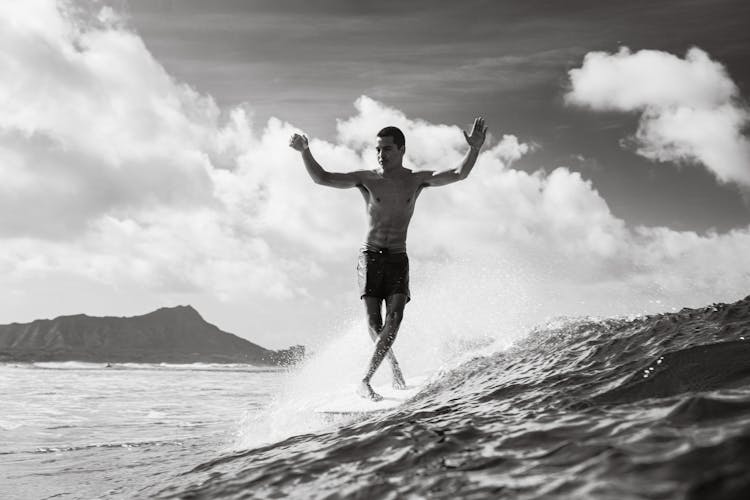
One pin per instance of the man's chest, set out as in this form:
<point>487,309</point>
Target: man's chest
<point>392,191</point>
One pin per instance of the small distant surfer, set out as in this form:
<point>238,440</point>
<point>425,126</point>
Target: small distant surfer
<point>390,194</point>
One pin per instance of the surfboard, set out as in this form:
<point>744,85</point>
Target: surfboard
<point>347,401</point>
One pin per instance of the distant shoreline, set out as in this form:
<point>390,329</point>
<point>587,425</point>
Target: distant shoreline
<point>199,366</point>
<point>119,358</point>
<point>176,335</point>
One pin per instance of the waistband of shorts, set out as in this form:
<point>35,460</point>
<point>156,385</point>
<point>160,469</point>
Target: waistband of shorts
<point>367,247</point>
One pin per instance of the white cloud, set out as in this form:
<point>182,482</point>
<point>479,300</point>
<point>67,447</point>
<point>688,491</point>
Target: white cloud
<point>690,108</point>
<point>113,170</point>
<point>144,182</point>
<point>97,121</point>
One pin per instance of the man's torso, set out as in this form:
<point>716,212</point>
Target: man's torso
<point>390,201</point>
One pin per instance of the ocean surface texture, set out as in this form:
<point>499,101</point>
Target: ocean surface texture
<point>648,407</point>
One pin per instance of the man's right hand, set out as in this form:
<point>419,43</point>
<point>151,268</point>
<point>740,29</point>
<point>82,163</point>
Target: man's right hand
<point>298,142</point>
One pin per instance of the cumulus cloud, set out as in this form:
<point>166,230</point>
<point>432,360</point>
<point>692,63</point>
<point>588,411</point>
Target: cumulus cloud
<point>113,170</point>
<point>144,181</point>
<point>691,110</point>
<point>91,122</point>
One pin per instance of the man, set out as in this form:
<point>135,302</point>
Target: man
<point>383,267</point>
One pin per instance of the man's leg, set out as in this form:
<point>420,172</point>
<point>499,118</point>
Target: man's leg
<point>394,313</point>
<point>375,327</point>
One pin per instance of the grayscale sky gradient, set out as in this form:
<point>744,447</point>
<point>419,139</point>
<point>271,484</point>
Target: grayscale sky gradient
<point>306,62</point>
<point>143,147</point>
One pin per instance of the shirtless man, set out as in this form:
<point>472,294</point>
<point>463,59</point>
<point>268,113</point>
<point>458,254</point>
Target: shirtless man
<point>383,268</point>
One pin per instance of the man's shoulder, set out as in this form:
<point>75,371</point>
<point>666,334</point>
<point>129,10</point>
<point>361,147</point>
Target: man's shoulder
<point>417,177</point>
<point>372,173</point>
<point>366,175</point>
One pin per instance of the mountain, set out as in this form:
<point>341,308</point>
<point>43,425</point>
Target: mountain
<point>167,335</point>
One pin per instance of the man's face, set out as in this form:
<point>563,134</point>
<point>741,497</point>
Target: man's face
<point>389,154</point>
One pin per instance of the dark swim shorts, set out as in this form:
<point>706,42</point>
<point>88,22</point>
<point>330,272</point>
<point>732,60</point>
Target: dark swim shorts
<point>382,273</point>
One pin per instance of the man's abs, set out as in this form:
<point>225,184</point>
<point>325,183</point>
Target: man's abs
<point>390,235</point>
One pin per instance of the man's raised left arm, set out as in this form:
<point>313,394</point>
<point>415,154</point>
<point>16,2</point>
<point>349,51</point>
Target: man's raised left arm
<point>475,140</point>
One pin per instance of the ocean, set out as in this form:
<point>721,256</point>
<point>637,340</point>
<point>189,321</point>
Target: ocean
<point>643,407</point>
<point>82,430</point>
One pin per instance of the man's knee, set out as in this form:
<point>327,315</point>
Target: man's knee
<point>395,316</point>
<point>374,320</point>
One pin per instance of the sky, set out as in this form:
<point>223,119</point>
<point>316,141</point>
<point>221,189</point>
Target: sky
<point>145,163</point>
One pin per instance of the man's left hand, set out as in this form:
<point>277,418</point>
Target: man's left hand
<point>478,133</point>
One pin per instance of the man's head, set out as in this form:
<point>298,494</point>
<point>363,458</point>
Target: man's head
<point>391,146</point>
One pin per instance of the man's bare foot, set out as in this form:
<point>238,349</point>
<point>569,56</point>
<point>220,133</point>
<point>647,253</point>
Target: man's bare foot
<point>366,392</point>
<point>398,381</point>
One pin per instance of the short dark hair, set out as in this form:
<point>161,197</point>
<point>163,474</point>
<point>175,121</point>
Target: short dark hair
<point>395,132</point>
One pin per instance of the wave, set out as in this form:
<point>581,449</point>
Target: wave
<point>648,407</point>
<point>66,365</point>
<point>118,444</point>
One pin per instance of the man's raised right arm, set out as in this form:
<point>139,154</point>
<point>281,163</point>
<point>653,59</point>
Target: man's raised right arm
<point>320,176</point>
